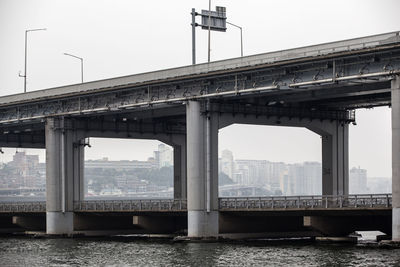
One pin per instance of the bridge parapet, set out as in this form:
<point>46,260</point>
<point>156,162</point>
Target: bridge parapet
<point>306,202</point>
<point>23,207</point>
<point>150,205</point>
<point>373,201</point>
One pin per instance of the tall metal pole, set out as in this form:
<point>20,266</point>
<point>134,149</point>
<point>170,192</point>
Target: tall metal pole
<point>82,70</point>
<point>26,54</point>
<point>241,42</point>
<point>26,51</point>
<point>193,36</point>
<point>209,30</point>
<point>81,59</point>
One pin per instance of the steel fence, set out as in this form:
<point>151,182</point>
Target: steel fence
<point>131,205</point>
<point>28,207</point>
<point>234,203</point>
<point>306,202</point>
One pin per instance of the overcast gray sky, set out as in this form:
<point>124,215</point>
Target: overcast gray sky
<point>119,37</point>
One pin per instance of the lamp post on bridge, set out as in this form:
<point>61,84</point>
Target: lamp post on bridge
<point>26,53</point>
<point>241,37</point>
<point>81,59</point>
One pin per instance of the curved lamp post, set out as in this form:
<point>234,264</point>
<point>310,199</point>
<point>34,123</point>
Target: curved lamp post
<point>81,59</point>
<point>26,53</point>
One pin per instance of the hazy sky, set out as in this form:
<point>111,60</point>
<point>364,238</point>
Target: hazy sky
<point>118,38</point>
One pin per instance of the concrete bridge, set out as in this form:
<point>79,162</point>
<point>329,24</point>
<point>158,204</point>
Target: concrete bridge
<point>316,87</point>
<point>286,216</point>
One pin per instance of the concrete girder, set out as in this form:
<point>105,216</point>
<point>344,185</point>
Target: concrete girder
<point>25,140</point>
<point>126,127</point>
<point>178,142</point>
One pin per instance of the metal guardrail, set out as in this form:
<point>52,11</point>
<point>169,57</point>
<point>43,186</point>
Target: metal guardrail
<point>132,205</point>
<point>28,207</point>
<point>239,204</point>
<point>306,202</point>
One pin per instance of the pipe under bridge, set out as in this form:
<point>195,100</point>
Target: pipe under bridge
<point>316,87</point>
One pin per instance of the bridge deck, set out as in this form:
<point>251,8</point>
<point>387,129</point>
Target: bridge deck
<point>253,204</point>
<point>224,66</point>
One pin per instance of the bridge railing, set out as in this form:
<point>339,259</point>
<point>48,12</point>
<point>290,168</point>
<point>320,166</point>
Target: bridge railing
<point>306,202</point>
<point>131,205</point>
<point>237,203</point>
<point>15,207</point>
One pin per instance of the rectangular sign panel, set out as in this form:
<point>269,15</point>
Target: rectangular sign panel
<point>217,19</point>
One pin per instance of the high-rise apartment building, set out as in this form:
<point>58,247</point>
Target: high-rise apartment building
<point>227,164</point>
<point>358,181</point>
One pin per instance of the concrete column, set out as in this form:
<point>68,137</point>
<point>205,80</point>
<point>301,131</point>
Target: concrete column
<point>202,189</point>
<point>180,171</point>
<point>79,166</point>
<point>335,159</point>
<point>64,175</point>
<point>396,158</point>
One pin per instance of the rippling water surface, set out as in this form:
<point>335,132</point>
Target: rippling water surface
<point>25,251</point>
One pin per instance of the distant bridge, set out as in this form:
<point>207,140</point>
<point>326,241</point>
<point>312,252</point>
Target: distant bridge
<point>279,203</point>
<point>290,216</point>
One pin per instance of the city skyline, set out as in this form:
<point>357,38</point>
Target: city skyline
<point>237,177</point>
<point>151,155</point>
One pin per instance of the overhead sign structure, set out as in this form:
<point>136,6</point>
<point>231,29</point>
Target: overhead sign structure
<point>215,20</point>
<point>211,21</point>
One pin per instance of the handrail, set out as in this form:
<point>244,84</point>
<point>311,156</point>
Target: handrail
<point>361,201</point>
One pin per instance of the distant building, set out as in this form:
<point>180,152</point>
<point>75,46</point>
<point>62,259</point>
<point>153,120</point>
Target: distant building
<point>227,164</point>
<point>358,181</point>
<point>313,174</point>
<point>305,178</point>
<point>165,156</point>
<point>26,169</point>
<point>274,173</point>
<point>286,185</point>
<point>252,172</point>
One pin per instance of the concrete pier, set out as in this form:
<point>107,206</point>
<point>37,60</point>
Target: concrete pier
<point>64,175</point>
<point>335,159</point>
<point>396,158</point>
<point>202,172</point>
<point>180,171</point>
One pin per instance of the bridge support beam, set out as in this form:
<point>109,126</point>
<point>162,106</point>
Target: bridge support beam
<point>396,158</point>
<point>180,171</point>
<point>178,143</point>
<point>202,172</point>
<point>64,175</point>
<point>335,160</point>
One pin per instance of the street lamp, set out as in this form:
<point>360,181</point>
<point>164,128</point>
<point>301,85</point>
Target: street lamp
<point>81,59</point>
<point>26,52</point>
<point>241,37</point>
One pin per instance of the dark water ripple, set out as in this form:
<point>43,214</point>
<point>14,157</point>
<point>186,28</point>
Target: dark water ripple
<point>23,251</point>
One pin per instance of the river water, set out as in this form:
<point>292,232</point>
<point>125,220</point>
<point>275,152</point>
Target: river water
<point>26,251</point>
